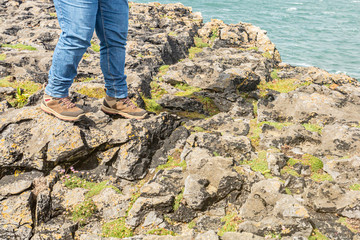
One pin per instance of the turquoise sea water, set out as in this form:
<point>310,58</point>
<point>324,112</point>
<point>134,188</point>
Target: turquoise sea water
<point>322,33</point>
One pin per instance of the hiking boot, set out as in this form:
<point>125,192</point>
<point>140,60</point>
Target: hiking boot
<point>61,108</point>
<point>122,106</point>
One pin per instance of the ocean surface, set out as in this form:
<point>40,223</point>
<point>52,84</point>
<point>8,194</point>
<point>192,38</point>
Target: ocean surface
<point>321,33</point>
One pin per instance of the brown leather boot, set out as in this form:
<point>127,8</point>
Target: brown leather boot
<point>61,108</point>
<point>122,106</point>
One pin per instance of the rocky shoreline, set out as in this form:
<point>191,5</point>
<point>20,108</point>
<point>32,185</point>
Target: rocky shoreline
<point>238,145</point>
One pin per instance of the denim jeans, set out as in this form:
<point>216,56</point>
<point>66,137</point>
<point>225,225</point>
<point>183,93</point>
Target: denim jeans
<point>78,19</point>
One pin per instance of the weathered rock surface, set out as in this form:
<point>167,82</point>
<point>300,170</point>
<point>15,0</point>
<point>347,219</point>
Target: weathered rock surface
<point>245,147</point>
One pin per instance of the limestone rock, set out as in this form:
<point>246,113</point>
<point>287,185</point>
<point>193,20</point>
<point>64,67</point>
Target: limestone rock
<point>209,235</point>
<point>15,217</point>
<point>111,204</point>
<point>240,236</point>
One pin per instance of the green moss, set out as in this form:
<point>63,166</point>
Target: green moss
<point>95,47</point>
<point>255,108</point>
<point>116,229</point>
<point>192,224</point>
<point>161,232</point>
<point>317,235</point>
<point>315,163</point>
<point>214,34</point>
<point>274,74</point>
<point>76,182</point>
<point>280,85</point>
<point>94,188</point>
<point>313,127</point>
<point>139,55</point>
<point>172,34</point>
<point>156,91</point>
<point>187,89</point>
<point>351,224</point>
<point>267,55</point>
<point>53,14</point>
<point>98,187</point>
<point>255,130</point>
<point>208,105</point>
<point>172,163</point>
<point>163,69</point>
<point>151,105</point>
<point>2,57</point>
<point>193,51</point>
<point>252,48</point>
<point>293,161</point>
<point>231,222</point>
<point>191,115</point>
<point>259,164</point>
<point>289,170</point>
<point>86,55</point>
<point>82,212</point>
<point>200,43</point>
<point>198,129</point>
<point>254,133</point>
<point>19,46</point>
<point>288,191</point>
<point>355,187</point>
<point>178,200</point>
<point>216,154</point>
<point>92,92</point>
<point>24,89</point>
<point>321,176</point>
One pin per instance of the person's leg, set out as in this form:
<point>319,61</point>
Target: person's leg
<point>77,21</point>
<point>112,28</point>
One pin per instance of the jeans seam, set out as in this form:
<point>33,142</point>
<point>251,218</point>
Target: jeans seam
<point>107,48</point>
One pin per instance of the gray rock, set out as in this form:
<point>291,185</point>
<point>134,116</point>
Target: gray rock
<point>15,217</point>
<point>316,103</point>
<point>12,185</point>
<point>144,205</point>
<point>58,227</point>
<point>181,103</point>
<point>223,123</point>
<point>111,204</point>
<point>239,71</point>
<point>175,142</point>
<point>240,236</point>
<point>276,161</point>
<point>153,220</point>
<point>344,171</point>
<point>328,197</point>
<point>209,235</point>
<point>227,145</point>
<point>195,193</point>
<point>207,223</point>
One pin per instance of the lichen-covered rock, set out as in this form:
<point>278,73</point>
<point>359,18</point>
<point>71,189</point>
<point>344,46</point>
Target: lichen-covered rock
<point>313,104</point>
<point>344,171</point>
<point>223,70</point>
<point>56,228</point>
<point>13,185</point>
<point>16,217</point>
<point>227,145</point>
<point>111,204</point>
<point>328,197</point>
<point>240,236</point>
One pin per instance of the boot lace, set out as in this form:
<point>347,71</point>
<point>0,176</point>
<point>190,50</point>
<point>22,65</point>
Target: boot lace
<point>128,102</point>
<point>67,102</point>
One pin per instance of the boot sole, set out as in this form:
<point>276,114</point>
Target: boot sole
<point>62,117</point>
<point>125,115</point>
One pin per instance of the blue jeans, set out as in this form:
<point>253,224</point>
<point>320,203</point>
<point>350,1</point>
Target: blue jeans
<point>78,19</point>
